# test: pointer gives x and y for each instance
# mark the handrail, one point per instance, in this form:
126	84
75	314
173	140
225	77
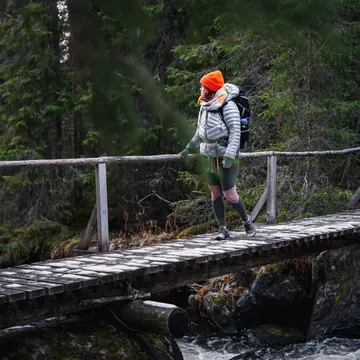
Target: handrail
301	153
99	216
161	158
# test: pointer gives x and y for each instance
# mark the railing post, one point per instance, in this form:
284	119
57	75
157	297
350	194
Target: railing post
271	193
102	208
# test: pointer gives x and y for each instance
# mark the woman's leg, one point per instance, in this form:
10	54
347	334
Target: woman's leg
228	184
217	198
218	204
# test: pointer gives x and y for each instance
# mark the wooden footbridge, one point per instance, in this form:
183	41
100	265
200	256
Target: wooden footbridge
40	290
50	288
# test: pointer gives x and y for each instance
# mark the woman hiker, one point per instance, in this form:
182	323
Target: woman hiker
219	141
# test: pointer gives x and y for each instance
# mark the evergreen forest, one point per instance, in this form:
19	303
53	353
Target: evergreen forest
89	78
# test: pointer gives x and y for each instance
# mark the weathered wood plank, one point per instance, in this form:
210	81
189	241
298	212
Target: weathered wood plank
59	277
90	277
77	252
77	268
50	288
102	208
271	190
259	205
66	303
32	292
354	200
105	268
12	295
89	231
164	158
73	283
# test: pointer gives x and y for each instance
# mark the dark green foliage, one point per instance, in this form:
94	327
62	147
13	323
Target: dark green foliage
29	105
30	244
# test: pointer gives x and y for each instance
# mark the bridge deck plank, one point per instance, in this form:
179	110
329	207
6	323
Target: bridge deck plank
12	295
49	288
69	283
54	277
31	291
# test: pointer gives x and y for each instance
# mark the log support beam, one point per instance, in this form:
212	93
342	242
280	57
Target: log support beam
154	317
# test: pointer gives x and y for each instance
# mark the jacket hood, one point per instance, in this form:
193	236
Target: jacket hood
232	90
226	93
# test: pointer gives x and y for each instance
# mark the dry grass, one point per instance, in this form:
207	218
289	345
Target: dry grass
149	233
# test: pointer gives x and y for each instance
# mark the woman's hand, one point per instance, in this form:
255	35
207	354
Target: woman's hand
227	163
184	153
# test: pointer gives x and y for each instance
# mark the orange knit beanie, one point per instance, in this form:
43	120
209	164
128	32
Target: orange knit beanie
213	81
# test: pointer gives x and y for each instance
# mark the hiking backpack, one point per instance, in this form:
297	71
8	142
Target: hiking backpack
243	105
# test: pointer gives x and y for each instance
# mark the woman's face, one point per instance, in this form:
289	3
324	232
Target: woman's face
206	93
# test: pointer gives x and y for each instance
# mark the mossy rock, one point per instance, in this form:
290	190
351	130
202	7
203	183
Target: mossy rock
32	243
336	287
84	340
202	228
193	212
276	335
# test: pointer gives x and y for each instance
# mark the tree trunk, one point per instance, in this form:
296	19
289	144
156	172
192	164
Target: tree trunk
80	52
80	33
5	4
56	150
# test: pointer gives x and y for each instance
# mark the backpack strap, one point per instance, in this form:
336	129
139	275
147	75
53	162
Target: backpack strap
221	112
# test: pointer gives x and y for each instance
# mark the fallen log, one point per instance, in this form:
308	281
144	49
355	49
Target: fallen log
26	312
153	316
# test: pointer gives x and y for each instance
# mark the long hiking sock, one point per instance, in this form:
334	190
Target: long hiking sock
239	207
219	210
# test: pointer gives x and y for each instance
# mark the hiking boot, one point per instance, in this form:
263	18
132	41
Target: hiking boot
223	233
249	227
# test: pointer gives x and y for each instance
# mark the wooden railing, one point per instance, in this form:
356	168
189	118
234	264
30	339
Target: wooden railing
99	216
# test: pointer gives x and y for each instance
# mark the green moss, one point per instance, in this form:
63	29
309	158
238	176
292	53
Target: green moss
343	290
102	340
198	229
30	244
261	219
302	204
63	248
277	267
223	299
278	332
158	340
237	290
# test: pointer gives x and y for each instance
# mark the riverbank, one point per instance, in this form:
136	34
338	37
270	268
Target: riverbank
254	312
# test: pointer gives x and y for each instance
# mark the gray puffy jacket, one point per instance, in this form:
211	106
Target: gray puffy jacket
211	128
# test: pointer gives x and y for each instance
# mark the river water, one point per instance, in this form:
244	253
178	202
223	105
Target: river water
225	348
